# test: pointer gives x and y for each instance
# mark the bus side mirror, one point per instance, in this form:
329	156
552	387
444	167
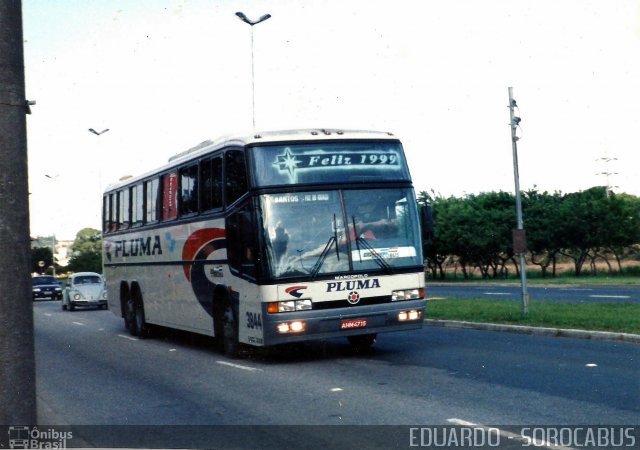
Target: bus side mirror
426	216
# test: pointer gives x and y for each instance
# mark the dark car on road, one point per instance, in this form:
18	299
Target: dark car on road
46	286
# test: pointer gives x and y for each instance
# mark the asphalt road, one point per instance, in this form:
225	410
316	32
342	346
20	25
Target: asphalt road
601	294
91	372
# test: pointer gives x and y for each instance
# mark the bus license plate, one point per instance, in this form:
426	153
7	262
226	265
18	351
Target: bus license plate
348	324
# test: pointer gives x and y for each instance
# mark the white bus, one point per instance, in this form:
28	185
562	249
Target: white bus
268	239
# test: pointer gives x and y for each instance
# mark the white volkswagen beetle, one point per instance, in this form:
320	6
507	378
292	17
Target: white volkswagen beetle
84	289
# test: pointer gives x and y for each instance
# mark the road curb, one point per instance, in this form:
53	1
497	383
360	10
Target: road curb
536	331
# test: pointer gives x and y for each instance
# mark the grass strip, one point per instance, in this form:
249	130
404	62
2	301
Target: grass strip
619	317
560	280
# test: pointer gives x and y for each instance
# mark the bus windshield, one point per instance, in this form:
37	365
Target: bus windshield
328	162
326	232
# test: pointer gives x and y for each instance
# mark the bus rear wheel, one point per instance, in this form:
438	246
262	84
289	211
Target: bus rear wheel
135	318
230	340
129	316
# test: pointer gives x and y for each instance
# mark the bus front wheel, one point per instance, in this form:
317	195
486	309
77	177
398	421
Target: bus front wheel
362	342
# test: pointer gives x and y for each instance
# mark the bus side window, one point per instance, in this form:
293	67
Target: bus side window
211	182
189	190
113	213
106	214
137	205
241	248
124	211
152	196
235	175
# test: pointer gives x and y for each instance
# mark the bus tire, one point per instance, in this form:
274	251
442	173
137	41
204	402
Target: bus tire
230	339
140	327
362	342
129	316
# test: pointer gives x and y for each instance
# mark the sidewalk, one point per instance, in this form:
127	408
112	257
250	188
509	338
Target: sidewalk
536	331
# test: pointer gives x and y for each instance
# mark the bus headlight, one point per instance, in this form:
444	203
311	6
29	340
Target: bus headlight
289	306
407	294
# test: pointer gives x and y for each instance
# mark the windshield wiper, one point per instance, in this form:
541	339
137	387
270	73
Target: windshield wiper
322	257
376	256
325	252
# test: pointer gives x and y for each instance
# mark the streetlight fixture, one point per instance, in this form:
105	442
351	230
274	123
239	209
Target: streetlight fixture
246	20
98	133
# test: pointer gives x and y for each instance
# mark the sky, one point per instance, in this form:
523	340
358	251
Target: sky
164	75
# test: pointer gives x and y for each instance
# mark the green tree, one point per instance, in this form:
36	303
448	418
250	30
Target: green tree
38	255
434	254
544	227
495	211
587	219
623	230
86	251
476	229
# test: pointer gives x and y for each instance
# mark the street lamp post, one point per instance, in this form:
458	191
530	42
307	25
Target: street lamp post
245	19
519	236
99	133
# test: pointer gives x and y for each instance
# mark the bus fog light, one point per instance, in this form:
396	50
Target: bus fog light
291	327
408	315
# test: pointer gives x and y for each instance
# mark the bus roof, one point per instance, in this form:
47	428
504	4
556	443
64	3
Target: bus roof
240	140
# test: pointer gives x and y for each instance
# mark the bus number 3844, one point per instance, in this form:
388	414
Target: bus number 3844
254	320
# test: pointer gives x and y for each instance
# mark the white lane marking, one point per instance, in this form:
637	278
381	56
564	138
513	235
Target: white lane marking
78	323
507	434
591	365
496	293
610	296
238	366
336	390
123	336
575	289
47	314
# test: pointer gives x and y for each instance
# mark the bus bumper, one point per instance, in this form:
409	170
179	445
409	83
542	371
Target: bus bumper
281	328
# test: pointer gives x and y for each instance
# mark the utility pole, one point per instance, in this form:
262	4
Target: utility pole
607	173
17	359
519	235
